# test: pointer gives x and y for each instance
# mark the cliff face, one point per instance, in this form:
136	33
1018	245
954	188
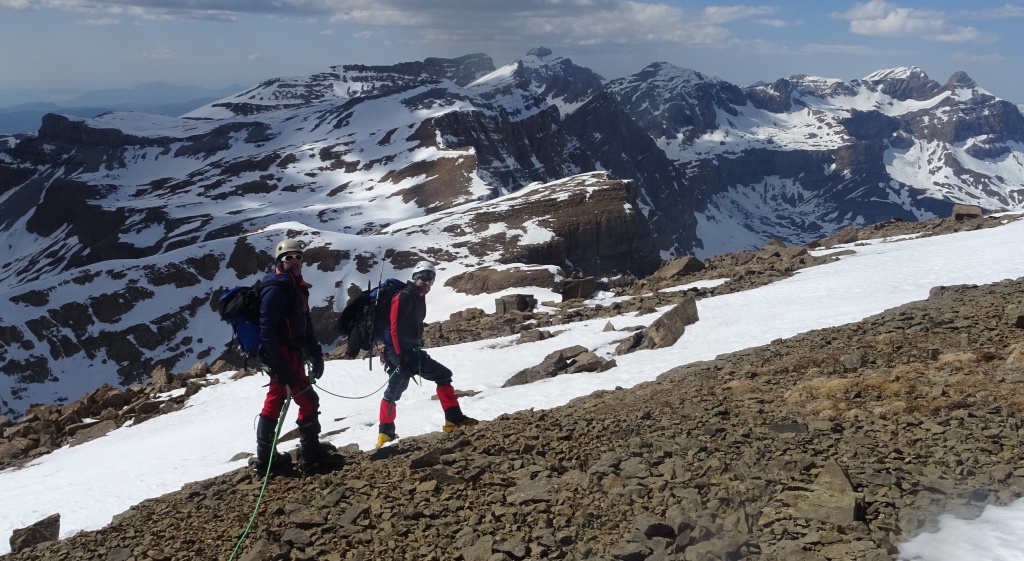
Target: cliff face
600	229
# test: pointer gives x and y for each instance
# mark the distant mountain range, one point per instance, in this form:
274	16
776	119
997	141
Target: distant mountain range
119	228
22	110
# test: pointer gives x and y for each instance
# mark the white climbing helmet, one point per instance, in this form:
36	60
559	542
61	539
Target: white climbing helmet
288	246
424	270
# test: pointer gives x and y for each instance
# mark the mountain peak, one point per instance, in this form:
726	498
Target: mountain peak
902	83
960	78
539	52
668	71
909	73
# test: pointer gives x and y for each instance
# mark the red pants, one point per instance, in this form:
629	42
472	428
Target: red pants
302	392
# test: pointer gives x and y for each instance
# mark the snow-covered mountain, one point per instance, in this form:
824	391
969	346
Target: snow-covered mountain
118	229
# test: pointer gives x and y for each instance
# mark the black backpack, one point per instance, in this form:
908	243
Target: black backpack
240	308
366	315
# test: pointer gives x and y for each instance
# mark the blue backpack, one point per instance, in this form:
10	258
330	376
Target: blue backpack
240	308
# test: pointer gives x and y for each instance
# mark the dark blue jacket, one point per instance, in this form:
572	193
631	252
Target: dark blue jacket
284	317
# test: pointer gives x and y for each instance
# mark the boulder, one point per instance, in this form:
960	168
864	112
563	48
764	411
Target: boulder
533	335
965	212
1015	313
680	267
844	236
830	499
579	288
93	432
667	329
514	303
487	279
46	530
554	364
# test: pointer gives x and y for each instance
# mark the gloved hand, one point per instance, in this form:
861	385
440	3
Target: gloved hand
316	366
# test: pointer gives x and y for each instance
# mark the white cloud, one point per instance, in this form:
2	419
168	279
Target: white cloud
1001	12
778	23
486	21
722	14
817	48
15	4
880	18
989	58
1009	11
159	53
99	21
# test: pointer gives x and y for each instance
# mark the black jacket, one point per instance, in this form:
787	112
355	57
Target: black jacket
284	317
405	325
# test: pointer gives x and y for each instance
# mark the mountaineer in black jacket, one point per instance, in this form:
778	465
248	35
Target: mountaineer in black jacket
404	358
287	343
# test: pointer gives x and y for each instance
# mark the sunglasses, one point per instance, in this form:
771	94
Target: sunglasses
425	277
292	257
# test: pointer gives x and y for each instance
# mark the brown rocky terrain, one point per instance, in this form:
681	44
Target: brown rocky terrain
835	444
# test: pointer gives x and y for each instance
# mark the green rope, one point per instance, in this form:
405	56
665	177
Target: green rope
273	448
266	478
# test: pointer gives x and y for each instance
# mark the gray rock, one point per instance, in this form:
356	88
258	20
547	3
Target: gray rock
965	212
93	432
295	536
537	490
579	288
652	526
668	328
119	554
45	530
514	303
680	267
479	551
630	551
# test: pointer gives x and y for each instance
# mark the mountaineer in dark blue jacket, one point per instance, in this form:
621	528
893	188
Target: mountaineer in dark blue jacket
403	357
287	342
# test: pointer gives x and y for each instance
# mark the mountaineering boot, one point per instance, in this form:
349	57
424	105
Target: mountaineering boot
314	457
465	422
455	419
386	434
266	456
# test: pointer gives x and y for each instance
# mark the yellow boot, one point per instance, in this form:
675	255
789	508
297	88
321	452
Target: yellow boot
465	422
383	439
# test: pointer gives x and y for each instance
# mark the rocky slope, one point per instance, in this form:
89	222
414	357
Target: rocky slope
835	444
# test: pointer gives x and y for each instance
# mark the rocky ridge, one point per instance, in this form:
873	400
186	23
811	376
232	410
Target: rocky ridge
835	444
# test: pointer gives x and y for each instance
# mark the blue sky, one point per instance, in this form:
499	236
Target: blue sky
215	43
